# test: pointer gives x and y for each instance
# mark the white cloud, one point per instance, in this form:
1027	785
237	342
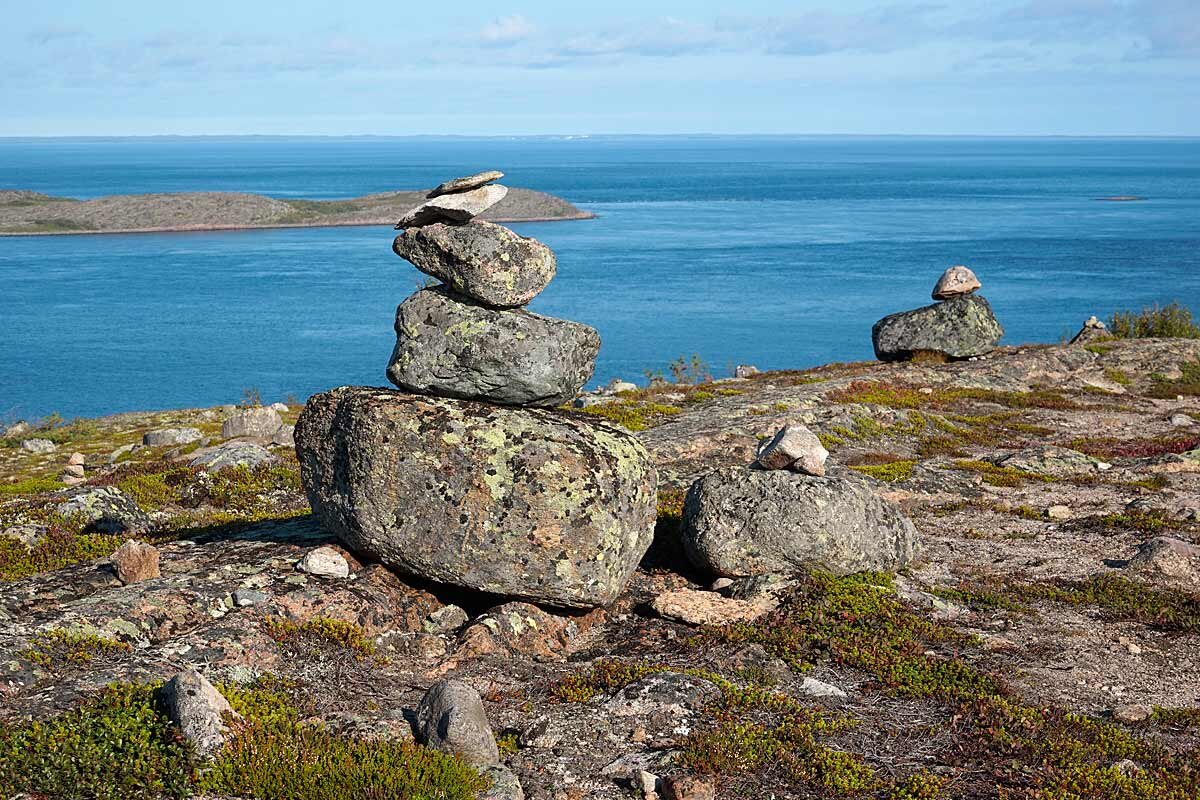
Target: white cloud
506	31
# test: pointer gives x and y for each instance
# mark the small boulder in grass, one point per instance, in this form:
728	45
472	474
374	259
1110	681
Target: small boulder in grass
199	710
450	718
135	561
795	448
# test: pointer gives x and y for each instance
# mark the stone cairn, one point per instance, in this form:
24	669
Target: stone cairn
960	325
469	476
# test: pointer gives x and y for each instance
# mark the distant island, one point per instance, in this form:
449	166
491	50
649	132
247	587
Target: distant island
27	213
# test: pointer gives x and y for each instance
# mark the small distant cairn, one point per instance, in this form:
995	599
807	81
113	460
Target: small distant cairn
960	325
468	476
1093	330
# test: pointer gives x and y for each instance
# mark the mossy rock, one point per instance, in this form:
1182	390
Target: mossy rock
527	503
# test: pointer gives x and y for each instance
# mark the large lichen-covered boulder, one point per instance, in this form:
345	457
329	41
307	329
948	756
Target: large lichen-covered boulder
739	522
484	261
961	327
449	346
525	503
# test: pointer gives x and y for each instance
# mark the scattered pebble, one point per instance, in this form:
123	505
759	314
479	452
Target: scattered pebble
326	562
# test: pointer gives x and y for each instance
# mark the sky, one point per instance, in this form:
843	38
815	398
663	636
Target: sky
555	67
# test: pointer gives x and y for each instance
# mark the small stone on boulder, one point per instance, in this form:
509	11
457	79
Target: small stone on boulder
450	718
960	327
739	522
481	260
198	709
135	561
796	448
466	184
171	437
454	209
955	282
259	422
448	346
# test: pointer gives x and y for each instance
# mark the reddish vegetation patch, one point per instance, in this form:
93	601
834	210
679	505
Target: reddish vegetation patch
1109	447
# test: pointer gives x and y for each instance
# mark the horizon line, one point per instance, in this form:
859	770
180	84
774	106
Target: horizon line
584	136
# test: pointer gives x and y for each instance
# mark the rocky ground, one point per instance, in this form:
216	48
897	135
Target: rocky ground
26	213
1044	644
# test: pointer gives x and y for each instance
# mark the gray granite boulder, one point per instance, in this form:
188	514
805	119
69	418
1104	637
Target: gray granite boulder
171	436
739	522
482	260
961	327
199	710
454	208
231	454
105	509
450	718
524	503
448	346
259	422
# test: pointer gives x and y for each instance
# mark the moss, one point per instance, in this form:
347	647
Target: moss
633	415
30	486
995	475
894	395
507	743
1150	523
322	632
117	745
893	472
1172	321
60	548
1176	717
307	762
1121	598
154	490
120	744
1118	377
1187	384
60	649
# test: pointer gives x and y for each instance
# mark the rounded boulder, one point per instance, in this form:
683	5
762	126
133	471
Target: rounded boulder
525	503
484	261
449	346
739	522
960	327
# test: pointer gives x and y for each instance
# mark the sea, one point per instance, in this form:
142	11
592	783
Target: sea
774	251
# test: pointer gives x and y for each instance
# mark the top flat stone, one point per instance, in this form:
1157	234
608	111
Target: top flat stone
955	282
454	209
466	184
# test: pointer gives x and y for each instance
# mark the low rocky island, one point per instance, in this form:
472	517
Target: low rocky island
31	213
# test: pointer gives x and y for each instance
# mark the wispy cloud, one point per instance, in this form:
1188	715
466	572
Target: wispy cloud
506	31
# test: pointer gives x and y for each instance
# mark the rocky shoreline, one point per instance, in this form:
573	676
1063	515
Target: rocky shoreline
25	213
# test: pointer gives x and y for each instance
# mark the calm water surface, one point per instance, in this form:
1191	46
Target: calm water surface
779	252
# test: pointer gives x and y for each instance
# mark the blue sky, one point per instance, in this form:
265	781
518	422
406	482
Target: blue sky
1027	67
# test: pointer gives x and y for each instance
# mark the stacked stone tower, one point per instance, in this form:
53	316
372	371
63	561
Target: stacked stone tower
469	476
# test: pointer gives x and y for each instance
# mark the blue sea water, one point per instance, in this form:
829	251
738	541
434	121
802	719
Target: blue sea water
775	251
